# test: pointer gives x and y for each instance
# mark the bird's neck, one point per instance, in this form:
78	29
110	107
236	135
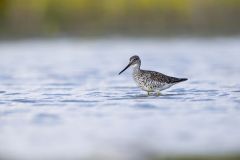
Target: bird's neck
136	68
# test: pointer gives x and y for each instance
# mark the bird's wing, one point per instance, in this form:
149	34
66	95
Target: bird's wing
159	77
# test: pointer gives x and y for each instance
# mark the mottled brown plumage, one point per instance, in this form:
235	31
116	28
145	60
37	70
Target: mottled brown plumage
156	76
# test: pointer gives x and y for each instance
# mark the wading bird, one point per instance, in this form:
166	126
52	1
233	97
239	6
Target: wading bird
150	81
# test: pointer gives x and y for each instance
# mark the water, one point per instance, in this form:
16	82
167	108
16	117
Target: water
63	99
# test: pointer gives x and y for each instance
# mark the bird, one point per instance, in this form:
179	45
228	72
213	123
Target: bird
150	81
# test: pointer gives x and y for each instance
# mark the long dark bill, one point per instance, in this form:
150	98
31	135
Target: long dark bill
125	68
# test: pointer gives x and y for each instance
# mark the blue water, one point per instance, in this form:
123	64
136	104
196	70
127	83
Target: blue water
63	98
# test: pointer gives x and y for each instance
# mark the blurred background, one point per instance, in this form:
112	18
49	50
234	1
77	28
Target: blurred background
49	18
61	96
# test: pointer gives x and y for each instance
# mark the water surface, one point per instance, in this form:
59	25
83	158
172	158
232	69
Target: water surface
64	99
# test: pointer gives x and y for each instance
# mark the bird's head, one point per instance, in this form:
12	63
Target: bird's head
133	61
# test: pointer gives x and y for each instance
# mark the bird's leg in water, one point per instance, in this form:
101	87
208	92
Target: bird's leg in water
148	93
158	93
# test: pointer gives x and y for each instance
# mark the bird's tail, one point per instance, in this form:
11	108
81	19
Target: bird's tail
181	79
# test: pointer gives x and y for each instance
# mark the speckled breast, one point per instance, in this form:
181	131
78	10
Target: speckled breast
147	84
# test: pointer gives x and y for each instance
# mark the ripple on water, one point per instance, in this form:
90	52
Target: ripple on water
94	93
223	94
46	119
13	94
202	90
46	89
56	94
14	111
129	97
54	104
145	106
62	84
24	101
202	100
178	90
1	92
152	96
76	100
236	91
215	109
237	100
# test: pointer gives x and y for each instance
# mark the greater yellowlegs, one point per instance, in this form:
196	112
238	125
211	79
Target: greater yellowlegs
150	81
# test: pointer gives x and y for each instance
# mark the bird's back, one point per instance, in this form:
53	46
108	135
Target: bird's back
162	78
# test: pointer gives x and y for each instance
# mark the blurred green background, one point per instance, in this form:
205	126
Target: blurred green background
50	18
